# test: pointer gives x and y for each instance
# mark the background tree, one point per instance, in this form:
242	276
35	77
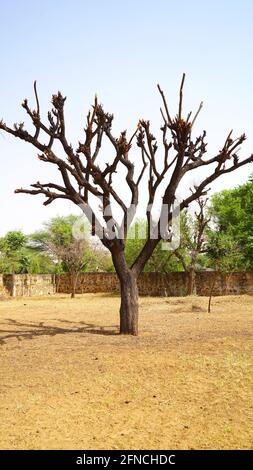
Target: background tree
192	244
73	259
99	258
13	258
225	257
66	252
18	256
232	212
84	175
161	261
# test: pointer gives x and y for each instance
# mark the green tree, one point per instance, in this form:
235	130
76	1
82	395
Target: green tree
161	260
67	253
13	259
232	212
18	256
58	242
225	257
193	231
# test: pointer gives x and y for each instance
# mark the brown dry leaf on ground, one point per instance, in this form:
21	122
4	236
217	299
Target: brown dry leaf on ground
68	380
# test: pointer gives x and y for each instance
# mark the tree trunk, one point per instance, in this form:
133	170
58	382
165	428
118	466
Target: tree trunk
57	281
191	287
73	277
13	287
129	305
211	293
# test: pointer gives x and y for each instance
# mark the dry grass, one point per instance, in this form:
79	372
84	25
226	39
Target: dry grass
68	380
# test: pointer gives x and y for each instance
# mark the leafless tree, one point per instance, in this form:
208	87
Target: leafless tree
83	176
193	243
72	256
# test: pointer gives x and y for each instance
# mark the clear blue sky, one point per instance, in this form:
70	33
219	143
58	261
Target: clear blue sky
120	50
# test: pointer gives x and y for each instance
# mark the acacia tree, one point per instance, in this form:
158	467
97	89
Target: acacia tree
58	242
84	176
72	257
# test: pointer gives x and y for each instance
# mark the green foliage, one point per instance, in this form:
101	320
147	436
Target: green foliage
12	248
187	244
98	259
232	211
193	229
57	231
224	253
57	241
160	261
42	251
229	244
14	241
39	263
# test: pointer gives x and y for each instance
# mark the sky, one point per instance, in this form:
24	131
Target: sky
120	50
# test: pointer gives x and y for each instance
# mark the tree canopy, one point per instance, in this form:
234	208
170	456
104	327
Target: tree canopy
232	210
161	167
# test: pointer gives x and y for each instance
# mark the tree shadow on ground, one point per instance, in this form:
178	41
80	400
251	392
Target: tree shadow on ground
30	330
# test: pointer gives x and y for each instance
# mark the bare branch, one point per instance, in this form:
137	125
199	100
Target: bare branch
165	105
82	175
181	97
196	115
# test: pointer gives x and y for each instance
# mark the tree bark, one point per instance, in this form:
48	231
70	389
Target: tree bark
129	307
211	293
191	287
73	276
57	282
13	287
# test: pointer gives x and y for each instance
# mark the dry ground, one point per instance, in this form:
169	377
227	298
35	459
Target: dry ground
68	380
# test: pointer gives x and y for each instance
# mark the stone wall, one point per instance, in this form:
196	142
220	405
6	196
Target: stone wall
3	291
170	284
153	284
230	284
20	285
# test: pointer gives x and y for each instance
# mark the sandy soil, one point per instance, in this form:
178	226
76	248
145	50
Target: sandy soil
68	380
